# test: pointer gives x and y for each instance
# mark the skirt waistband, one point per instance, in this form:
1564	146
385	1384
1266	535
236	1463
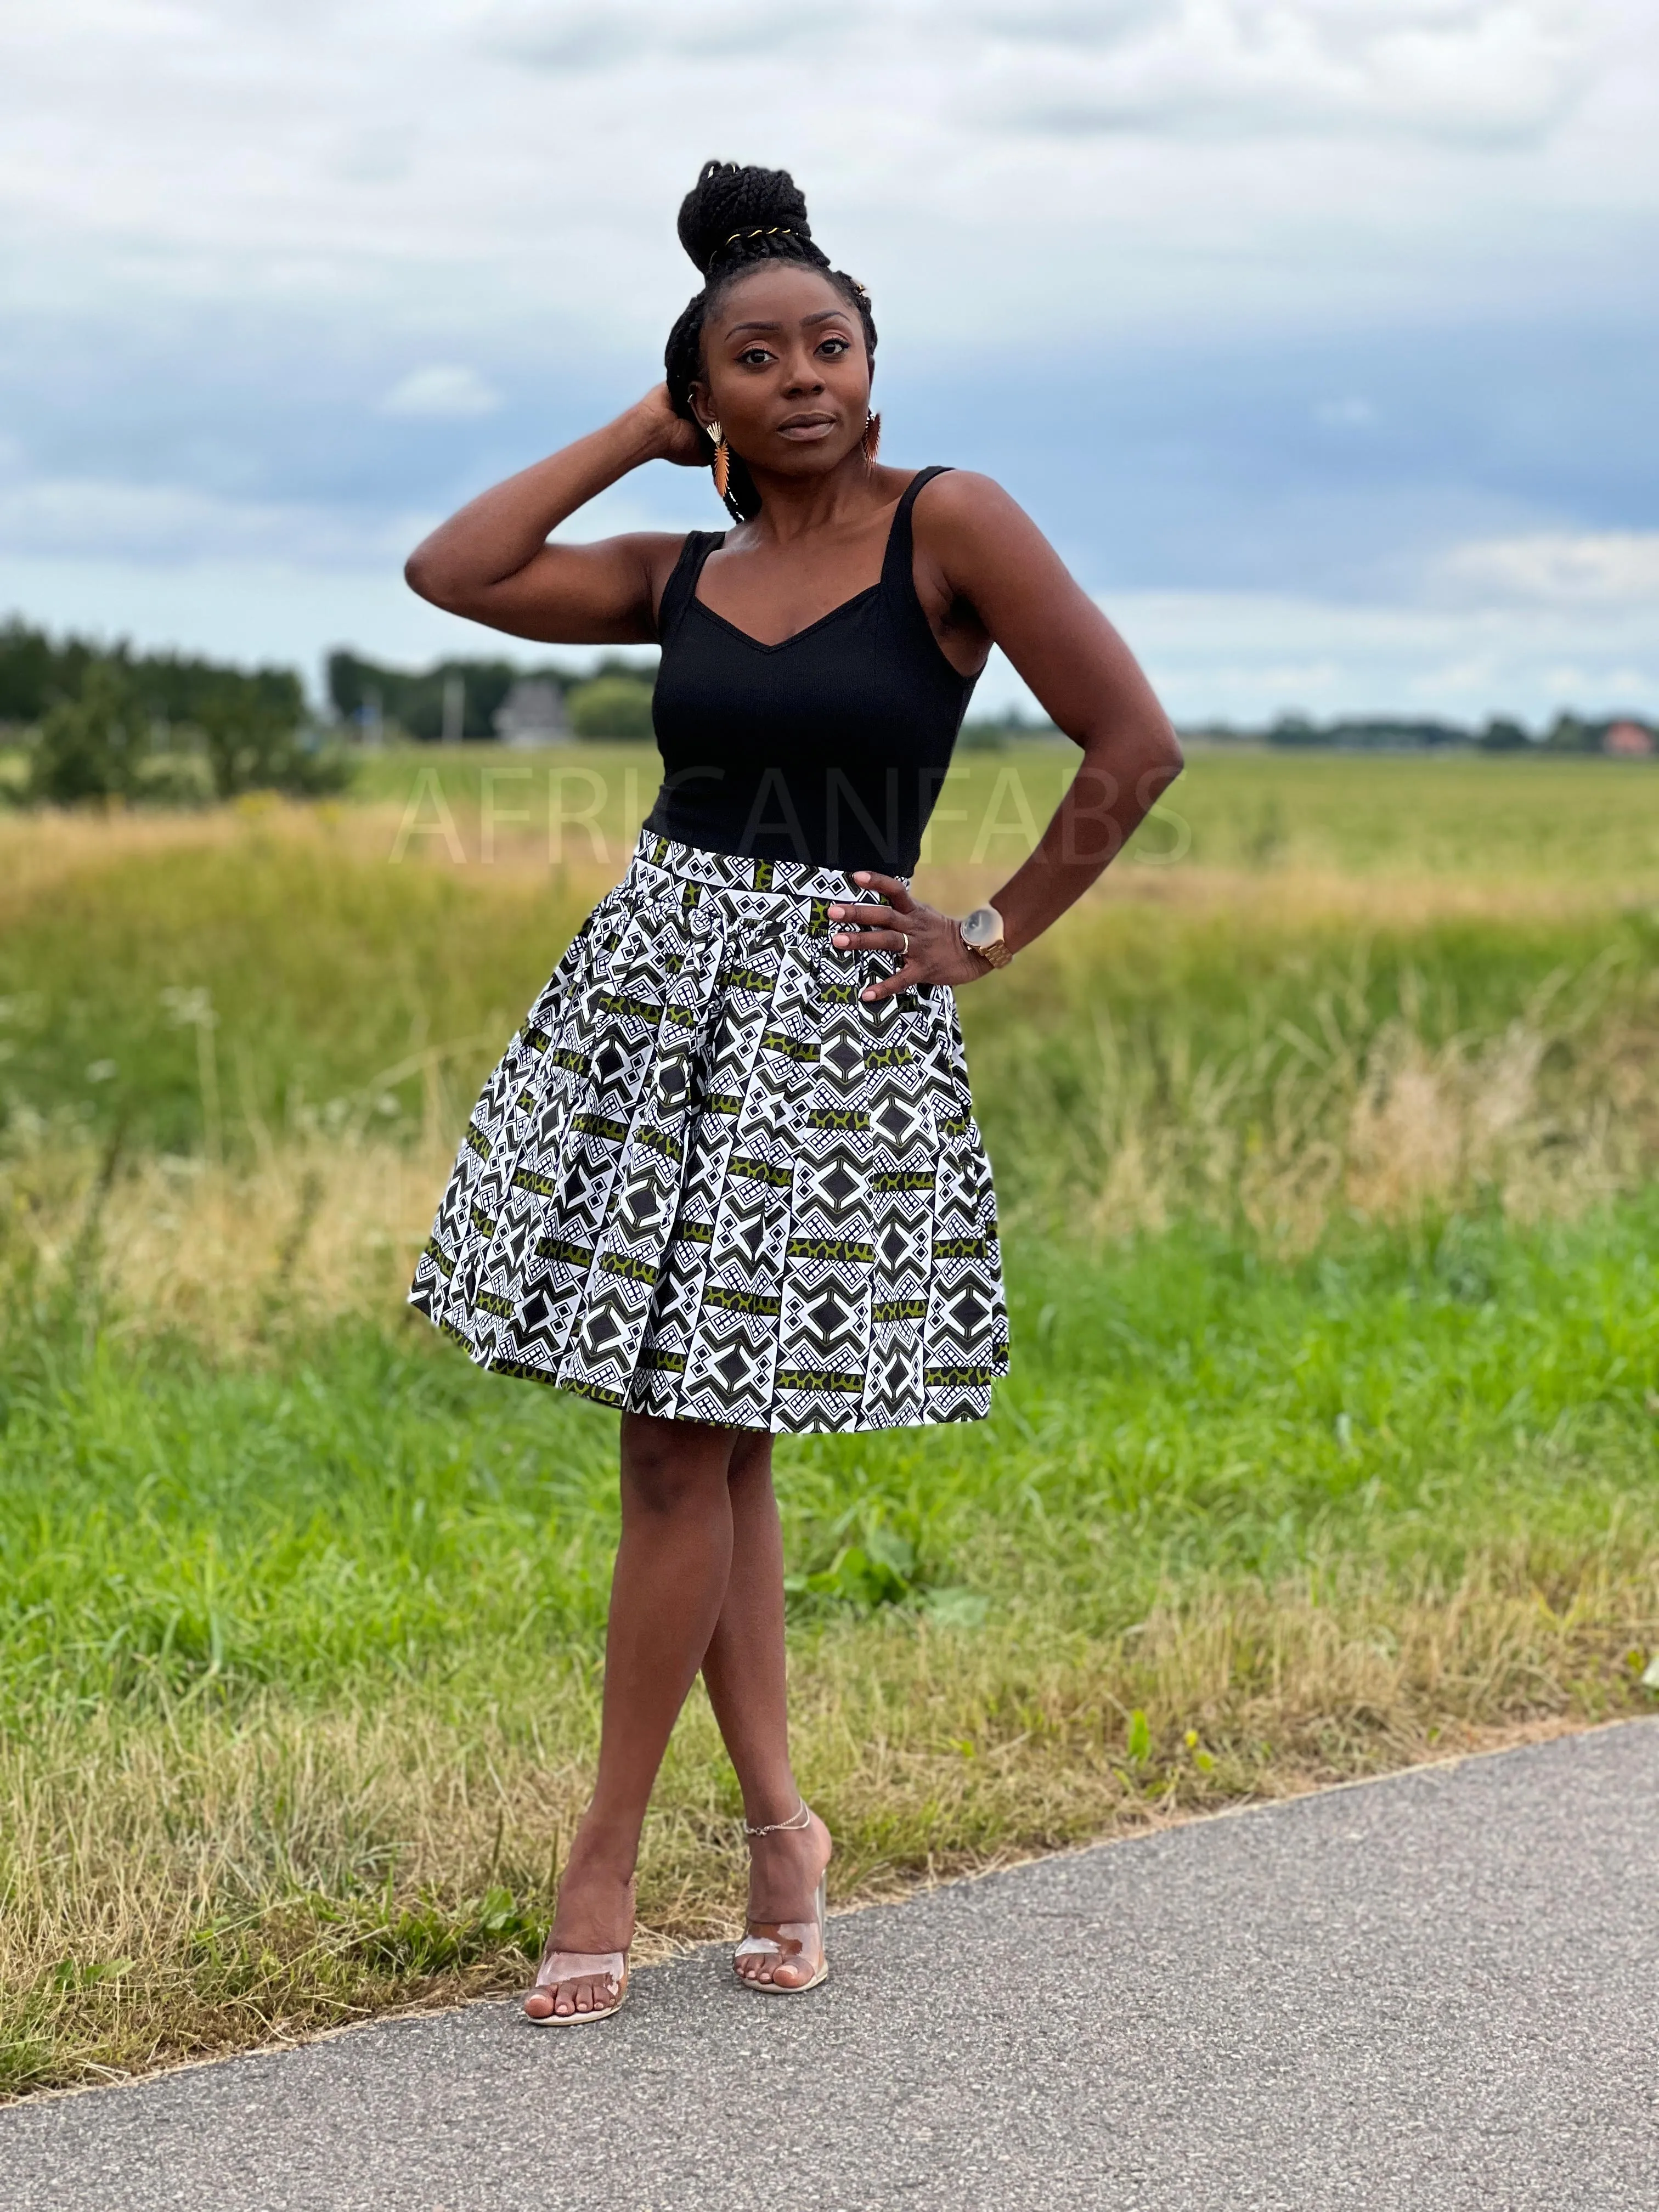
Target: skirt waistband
659	866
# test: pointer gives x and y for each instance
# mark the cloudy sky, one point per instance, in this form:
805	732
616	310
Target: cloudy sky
1319	334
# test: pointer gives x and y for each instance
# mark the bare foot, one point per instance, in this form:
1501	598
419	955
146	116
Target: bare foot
580	1969
784	1871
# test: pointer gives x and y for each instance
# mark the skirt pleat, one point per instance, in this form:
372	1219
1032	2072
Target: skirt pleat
707	1181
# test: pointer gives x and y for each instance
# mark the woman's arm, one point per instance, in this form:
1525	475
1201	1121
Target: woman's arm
492	563
979	553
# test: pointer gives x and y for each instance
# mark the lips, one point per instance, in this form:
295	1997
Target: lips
806	426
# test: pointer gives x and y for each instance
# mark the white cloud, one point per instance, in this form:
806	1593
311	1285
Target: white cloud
1085	23
96	517
442	393
251	611
1474	69
442	166
577	36
494	182
1241	656
1247	656
1612	568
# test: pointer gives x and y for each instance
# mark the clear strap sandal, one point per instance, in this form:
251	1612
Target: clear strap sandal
608	1968
785	1942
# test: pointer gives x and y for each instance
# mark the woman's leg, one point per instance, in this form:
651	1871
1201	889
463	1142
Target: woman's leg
673	1569
745	1673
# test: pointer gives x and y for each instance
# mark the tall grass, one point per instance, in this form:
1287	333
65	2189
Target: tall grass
274	977
1342	1081
1330	1218
299	1656
1458	818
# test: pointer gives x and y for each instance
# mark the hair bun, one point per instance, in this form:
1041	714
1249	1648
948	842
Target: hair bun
728	200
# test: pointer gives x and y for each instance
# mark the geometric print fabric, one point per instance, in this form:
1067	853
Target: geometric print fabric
707	1181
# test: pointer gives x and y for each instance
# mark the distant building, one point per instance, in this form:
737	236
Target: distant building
532	714
1628	740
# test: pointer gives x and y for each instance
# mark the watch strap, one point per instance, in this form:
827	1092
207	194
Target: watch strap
996	954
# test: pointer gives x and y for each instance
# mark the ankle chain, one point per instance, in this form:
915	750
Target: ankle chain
803	1819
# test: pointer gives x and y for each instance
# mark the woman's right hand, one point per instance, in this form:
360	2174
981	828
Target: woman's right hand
672	438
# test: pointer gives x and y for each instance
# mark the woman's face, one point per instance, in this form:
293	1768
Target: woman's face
787	375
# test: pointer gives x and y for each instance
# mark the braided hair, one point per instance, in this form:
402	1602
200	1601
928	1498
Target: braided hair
732	220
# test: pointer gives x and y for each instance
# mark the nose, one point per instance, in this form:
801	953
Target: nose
804	377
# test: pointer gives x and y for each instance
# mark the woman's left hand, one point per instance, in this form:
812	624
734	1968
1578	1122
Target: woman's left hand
928	942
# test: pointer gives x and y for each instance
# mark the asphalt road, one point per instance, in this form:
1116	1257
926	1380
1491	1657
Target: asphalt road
1438	1991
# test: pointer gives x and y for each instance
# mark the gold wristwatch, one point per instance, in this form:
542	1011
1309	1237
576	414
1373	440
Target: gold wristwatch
981	933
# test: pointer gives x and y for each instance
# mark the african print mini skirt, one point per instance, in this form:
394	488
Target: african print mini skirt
708	1182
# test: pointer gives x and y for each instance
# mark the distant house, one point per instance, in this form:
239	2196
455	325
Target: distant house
1627	740
532	714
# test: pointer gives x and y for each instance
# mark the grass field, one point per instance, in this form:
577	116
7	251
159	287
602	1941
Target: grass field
1325	1135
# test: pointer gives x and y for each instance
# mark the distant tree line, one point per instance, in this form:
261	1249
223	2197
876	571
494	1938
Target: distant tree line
103	722
106	722
462	698
1567	733
37	670
992	732
368	694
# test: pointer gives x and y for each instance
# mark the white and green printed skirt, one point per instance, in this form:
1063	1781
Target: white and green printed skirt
708	1182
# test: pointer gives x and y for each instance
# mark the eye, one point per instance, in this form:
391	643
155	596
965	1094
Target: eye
754	357
834	345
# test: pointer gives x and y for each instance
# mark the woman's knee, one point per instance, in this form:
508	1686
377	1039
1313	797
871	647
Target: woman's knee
669	1466
751	1465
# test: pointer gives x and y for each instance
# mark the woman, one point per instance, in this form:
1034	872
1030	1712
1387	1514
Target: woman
726	1179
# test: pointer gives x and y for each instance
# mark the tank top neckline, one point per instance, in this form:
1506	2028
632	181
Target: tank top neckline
717	538
794	636
828	747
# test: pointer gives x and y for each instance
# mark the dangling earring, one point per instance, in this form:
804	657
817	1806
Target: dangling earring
722	459
870	441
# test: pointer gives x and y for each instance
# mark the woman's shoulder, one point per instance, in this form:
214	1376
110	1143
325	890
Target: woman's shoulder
673	573
665	548
973	542
656	554
958	505
949	491
661	553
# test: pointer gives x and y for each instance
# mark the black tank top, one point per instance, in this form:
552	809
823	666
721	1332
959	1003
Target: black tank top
829	747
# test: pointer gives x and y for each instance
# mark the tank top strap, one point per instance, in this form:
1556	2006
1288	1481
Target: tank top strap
680	590
897	572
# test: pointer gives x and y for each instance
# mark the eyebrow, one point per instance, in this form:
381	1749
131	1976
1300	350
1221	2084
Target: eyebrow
823	315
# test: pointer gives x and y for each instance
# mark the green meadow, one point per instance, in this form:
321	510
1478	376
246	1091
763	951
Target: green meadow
1327	1140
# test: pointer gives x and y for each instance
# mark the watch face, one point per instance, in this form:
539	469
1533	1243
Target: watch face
983	926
